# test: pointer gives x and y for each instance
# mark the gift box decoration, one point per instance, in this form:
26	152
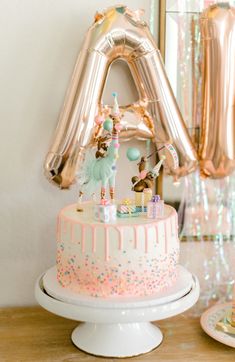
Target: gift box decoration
127	209
155	207
142	199
105	212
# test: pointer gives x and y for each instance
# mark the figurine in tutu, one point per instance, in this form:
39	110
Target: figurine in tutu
100	167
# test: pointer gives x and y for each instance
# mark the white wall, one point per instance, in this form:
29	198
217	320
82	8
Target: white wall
39	43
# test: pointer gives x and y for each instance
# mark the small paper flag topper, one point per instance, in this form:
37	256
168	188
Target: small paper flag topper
173	153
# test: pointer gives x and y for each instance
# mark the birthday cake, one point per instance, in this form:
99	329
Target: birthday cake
109	248
125	257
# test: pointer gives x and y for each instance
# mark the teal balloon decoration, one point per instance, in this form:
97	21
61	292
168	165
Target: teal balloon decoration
132	154
108	124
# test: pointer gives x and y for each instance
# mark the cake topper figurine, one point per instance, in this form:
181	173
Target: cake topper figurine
100	168
146	178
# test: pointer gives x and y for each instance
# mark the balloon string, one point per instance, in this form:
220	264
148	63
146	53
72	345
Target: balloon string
148	150
159	149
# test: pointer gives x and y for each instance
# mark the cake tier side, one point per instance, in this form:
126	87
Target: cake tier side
134	257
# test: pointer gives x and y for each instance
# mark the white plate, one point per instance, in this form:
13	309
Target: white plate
181	287
211	317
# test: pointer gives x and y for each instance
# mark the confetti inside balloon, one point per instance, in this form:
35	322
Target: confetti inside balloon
133	154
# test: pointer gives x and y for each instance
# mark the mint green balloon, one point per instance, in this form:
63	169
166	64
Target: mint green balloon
132	154
108	124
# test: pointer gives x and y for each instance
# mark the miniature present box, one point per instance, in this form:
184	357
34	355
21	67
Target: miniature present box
142	199
105	212
127	209
155	207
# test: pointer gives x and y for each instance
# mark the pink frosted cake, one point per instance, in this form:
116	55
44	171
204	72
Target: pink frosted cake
126	257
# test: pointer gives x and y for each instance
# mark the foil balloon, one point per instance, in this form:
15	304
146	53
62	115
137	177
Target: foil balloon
217	151
117	33
136	122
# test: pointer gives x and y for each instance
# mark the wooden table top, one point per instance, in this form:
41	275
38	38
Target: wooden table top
33	334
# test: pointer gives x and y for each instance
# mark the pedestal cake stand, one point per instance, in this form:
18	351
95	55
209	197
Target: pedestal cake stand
117	327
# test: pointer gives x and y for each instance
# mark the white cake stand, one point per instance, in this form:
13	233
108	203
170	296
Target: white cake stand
117	327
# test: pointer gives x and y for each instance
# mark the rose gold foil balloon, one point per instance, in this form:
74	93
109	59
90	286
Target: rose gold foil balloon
217	151
118	33
136	122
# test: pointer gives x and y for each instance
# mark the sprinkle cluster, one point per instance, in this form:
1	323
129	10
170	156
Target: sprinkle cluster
117	277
